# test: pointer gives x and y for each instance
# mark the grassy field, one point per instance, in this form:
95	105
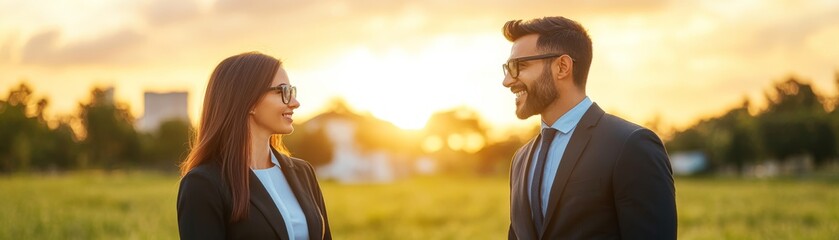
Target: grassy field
141	205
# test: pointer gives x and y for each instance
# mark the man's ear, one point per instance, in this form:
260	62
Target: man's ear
562	67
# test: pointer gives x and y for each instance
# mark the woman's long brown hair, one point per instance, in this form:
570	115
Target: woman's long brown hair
223	136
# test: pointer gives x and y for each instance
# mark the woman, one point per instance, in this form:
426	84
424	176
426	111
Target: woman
238	181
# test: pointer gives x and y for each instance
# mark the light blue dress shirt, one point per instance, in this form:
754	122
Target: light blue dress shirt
277	186
565	126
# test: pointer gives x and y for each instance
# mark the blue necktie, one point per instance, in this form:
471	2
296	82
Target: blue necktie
536	186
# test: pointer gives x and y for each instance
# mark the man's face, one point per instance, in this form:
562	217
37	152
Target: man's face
533	87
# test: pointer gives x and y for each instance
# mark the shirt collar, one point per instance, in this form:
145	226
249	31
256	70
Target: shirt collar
569	120
274	160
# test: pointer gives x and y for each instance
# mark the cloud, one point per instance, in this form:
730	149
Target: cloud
642	46
6	46
791	33
260	7
611	6
164	12
45	49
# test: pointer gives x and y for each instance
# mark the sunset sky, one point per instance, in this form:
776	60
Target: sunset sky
404	60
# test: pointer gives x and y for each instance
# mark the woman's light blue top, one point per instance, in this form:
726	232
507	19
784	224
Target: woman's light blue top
275	182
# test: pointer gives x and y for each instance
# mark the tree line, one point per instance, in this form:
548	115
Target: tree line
797	122
99	135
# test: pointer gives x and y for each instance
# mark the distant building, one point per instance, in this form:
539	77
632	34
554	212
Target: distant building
350	164
109	95
687	163
160	107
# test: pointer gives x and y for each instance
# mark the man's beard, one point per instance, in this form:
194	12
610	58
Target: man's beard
539	96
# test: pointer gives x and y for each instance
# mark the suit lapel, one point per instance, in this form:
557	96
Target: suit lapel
263	202
576	146
524	227
296	179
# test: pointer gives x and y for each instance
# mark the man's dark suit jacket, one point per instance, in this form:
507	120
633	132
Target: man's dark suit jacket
205	205
614	182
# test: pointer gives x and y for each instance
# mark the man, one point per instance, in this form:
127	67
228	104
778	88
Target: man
588	174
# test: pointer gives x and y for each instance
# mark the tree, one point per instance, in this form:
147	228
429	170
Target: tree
168	146
728	140
744	146
15	140
796	122
65	147
311	144
26	140
461	134
109	136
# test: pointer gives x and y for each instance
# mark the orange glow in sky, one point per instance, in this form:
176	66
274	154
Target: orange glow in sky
404	60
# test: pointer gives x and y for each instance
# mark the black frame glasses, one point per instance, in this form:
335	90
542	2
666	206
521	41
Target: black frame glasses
512	66
288	92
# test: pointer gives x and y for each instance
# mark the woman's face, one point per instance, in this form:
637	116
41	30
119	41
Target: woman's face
271	115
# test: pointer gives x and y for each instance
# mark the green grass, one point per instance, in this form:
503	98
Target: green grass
141	205
429	208
758	209
88	206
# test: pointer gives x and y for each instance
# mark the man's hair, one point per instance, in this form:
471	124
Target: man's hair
557	35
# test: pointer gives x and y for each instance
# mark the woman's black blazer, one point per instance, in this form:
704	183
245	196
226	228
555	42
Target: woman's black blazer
205	204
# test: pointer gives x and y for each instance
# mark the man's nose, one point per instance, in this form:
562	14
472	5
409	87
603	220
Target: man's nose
508	81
